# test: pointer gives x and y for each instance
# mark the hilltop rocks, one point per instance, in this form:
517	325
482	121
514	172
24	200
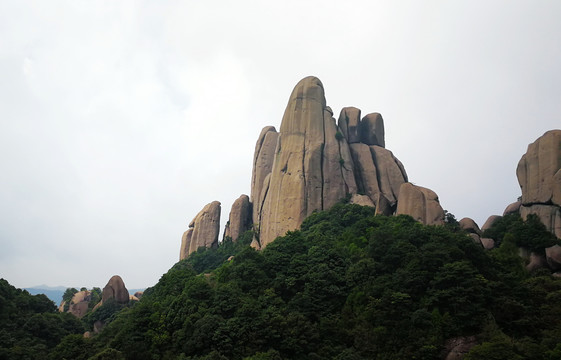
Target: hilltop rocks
490	221
80	303
539	176
312	168
203	230
470	226
348	122
538	170
372	130
240	218
309	165
549	215
512	208
115	289
420	203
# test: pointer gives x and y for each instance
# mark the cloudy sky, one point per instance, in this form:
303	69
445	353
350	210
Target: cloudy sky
120	120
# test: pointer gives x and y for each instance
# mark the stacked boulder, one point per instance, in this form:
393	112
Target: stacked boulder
309	165
539	175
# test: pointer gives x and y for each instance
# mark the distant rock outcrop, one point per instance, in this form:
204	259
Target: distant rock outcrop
79	304
539	175
203	230
115	289
420	203
240	218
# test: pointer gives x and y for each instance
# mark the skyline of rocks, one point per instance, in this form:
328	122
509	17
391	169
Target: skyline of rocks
310	164
313	162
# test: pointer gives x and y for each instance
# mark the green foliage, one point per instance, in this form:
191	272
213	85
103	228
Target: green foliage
530	234
339	136
30	326
68	294
347	285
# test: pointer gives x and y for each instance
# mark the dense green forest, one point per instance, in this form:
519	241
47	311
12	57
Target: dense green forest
347	285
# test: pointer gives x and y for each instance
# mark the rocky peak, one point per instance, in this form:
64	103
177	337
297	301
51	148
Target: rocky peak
312	168
115	289
240	218
539	176
203	230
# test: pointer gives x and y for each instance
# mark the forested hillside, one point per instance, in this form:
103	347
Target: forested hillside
347	285
30	325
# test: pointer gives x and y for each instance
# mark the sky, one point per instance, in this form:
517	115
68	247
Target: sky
120	120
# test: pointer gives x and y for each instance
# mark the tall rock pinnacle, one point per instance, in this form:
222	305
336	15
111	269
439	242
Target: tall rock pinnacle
539	175
312	167
203	230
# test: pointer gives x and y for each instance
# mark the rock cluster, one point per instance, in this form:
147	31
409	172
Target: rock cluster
203	230
310	164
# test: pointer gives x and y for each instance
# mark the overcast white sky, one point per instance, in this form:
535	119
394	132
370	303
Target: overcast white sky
120	120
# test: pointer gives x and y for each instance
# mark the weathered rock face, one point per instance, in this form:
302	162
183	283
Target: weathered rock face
553	257
312	168
512	208
549	215
539	175
537	170
240	218
378	172
490	221
115	289
470	226
349	120
80	303
488	243
262	165
420	203
203	230
372	130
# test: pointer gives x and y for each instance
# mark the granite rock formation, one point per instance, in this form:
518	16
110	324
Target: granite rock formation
470	226
203	230
79	304
539	176
262	166
115	289
312	168
420	203
240	218
310	164
490	221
